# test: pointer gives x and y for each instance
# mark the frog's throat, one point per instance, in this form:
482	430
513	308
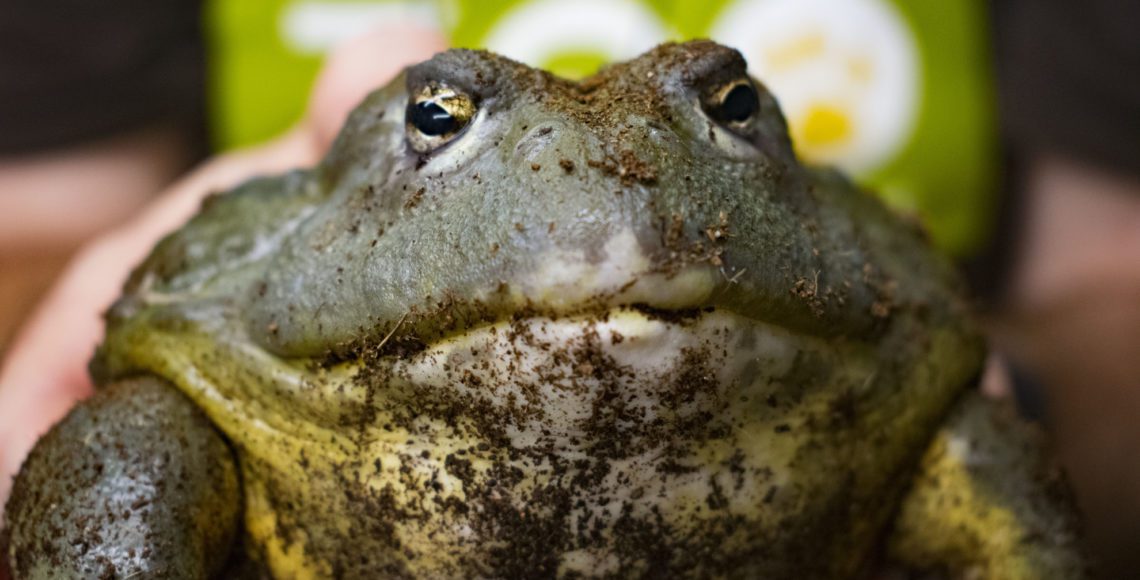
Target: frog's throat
519	377
627	373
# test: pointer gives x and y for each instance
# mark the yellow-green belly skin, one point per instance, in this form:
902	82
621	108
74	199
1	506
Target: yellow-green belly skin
617	444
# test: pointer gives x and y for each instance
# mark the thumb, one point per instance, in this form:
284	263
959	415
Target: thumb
361	65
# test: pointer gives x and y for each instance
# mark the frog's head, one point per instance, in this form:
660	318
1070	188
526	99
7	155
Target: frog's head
474	189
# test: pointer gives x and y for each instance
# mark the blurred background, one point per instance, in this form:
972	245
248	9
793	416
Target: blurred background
1011	129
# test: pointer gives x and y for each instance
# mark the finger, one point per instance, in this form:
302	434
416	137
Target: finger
362	65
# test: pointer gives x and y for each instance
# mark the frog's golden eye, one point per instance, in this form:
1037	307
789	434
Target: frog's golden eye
435	115
733	103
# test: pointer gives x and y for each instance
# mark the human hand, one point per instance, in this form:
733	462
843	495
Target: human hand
44	373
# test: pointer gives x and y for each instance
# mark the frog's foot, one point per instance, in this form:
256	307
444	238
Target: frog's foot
134	483
987	504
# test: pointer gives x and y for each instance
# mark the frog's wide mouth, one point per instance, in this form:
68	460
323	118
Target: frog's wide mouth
557	284
566	290
406	306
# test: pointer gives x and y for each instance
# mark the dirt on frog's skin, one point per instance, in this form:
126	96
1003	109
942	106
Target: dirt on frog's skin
627	166
682	251
415	199
530	504
615	85
582	358
5	571
633	169
885	288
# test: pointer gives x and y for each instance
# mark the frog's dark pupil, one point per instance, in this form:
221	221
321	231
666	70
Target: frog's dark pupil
432	120
739	104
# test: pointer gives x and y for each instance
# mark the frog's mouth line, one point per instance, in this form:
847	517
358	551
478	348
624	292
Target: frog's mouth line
564	287
402	342
374	316
560	285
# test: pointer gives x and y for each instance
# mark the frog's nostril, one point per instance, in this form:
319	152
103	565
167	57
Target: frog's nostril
535	140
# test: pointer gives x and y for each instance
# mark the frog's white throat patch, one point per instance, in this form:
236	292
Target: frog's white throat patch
635	375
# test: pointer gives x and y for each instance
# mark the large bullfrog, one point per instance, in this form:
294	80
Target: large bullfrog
518	326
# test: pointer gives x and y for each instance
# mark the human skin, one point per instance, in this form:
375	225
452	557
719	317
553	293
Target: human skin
1071	319
45	371
100	183
56	199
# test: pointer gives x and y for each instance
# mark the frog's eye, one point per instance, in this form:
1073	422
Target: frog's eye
435	115
733	104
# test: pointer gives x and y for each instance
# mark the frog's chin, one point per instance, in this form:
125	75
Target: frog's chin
634	373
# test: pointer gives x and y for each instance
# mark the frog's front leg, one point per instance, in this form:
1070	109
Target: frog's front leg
987	503
134	483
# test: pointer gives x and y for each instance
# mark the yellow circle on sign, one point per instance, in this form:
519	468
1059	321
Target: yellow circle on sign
822	125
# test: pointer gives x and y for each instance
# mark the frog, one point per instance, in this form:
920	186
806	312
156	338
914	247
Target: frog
519	326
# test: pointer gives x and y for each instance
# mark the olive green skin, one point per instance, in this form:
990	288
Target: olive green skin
283	308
